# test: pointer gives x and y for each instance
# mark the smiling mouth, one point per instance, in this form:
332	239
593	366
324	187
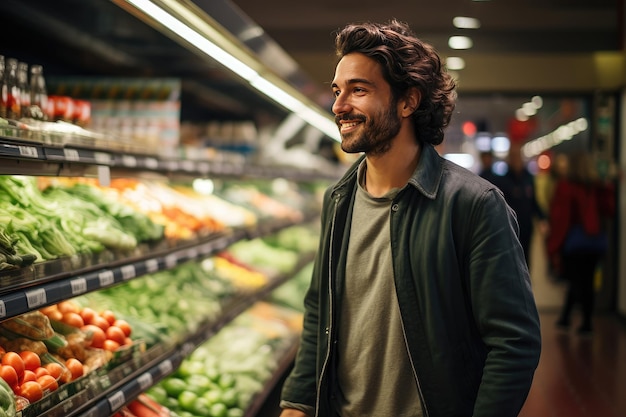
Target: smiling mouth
348	125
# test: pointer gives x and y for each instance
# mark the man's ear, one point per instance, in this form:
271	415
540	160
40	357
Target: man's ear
411	101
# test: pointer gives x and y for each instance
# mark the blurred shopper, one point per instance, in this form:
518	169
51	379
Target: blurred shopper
420	301
486	164
518	186
577	241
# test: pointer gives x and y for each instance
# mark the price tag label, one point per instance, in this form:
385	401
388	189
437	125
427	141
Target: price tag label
36	298
71	154
106	278
188	165
105	382
172	165
151	163
104	175
129	161
69	405
128	272
192	253
205	249
79	285
171	260
3	309
117	400
166	367
187	348
145	381
28	151
203	167
152	265
102	158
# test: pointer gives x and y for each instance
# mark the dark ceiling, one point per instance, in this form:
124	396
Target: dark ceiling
526	39
509	29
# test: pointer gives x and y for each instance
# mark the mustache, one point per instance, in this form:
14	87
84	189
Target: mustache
358	117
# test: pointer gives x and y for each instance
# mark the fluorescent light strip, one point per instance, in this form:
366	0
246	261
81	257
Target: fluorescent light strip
280	96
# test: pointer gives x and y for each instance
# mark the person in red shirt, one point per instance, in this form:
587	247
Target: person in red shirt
580	201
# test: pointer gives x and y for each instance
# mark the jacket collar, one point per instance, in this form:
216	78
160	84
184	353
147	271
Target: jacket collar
426	178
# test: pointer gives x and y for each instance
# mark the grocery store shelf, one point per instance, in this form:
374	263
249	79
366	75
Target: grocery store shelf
109	390
47	283
69	157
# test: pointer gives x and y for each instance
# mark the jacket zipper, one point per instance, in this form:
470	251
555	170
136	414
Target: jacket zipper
408	351
419	386
330	293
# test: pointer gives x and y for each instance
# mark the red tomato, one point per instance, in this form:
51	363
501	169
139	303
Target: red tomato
31	360
101	322
108	315
31	390
123	324
16	361
73	319
48	383
116	334
68	306
28	376
88	314
75	367
110	345
94	335
41	371
9	375
55	369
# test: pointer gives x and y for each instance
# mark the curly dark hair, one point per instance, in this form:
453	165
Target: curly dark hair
406	62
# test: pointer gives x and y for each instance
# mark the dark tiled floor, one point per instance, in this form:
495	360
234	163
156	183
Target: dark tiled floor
580	376
577	376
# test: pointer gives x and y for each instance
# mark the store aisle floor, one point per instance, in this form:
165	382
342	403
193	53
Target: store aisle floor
580	376
577	376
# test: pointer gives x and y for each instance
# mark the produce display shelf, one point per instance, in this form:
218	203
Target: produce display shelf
48	283
39	158
286	360
108	392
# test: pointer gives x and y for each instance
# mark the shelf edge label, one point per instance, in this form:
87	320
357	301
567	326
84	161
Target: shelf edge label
36	297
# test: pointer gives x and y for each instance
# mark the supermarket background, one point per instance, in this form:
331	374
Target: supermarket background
157	230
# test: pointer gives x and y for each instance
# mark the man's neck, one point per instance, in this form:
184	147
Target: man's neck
393	169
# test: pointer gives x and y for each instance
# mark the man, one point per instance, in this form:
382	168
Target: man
518	187
420	300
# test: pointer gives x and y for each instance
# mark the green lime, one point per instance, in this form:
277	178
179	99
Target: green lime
187	399
213	396
174	386
219	410
189	367
235	412
202	407
230	397
226	381
199	383
157	393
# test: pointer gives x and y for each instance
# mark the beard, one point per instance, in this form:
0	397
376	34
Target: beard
375	134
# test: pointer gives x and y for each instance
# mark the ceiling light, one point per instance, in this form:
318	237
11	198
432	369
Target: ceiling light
455	63
463	22
460	42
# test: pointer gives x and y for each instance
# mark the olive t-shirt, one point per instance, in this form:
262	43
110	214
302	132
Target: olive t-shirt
374	371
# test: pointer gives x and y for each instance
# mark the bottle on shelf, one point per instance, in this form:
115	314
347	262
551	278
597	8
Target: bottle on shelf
22	83
38	93
12	89
3	90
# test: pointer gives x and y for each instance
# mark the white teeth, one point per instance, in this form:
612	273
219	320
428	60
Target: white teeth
347	125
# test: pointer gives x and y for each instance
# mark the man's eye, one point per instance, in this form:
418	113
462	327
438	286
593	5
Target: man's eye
336	93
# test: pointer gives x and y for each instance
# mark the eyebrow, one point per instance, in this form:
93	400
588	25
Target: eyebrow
356	81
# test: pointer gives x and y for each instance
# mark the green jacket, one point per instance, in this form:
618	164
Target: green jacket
468	312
